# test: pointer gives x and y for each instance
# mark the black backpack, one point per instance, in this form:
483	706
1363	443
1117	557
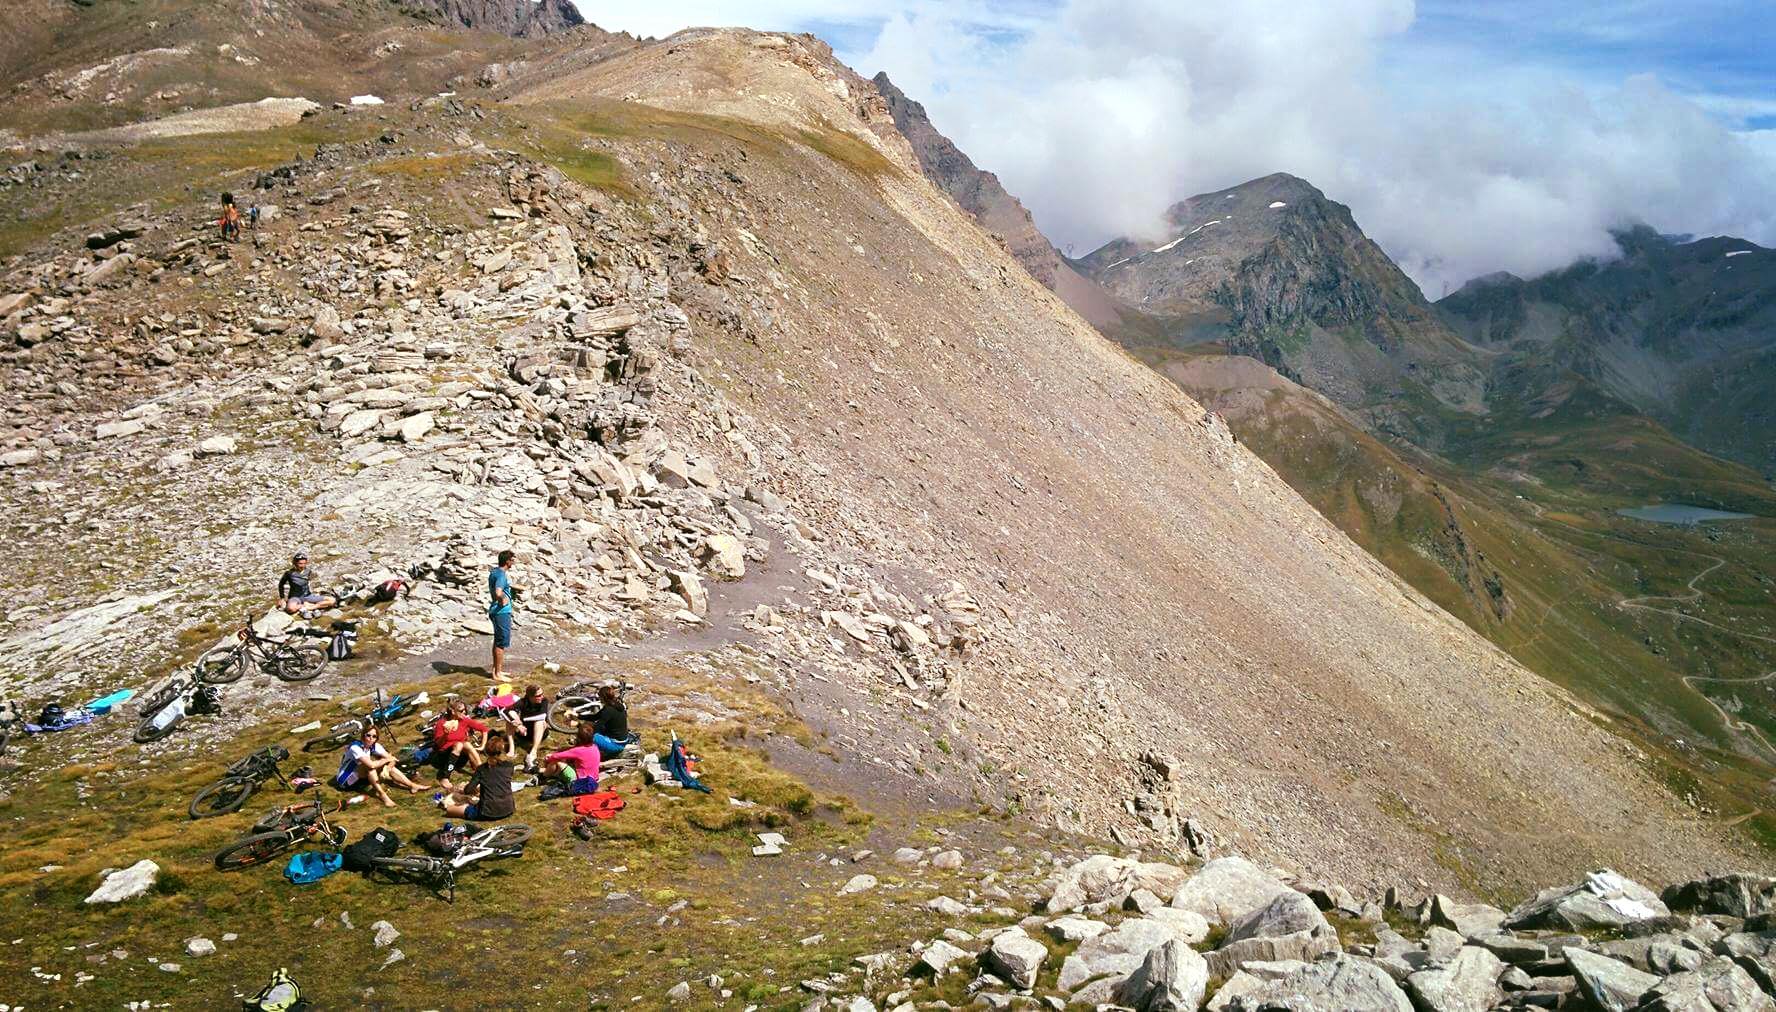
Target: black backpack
52	715
342	644
445	841
379	842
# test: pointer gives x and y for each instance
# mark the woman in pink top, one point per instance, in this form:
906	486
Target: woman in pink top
582	760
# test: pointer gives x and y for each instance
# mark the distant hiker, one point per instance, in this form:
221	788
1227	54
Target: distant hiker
295	592
488	794
366	765
527	721
499	609
610	726
231	219
451	746
253	217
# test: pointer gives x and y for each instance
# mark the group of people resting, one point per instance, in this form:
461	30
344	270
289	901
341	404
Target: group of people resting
491	754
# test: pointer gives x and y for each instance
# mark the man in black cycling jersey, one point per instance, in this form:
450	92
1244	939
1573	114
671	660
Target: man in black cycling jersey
294	591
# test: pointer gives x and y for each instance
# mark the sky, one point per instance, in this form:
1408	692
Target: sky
1467	136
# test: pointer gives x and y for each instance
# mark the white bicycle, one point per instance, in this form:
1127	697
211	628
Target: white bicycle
439	873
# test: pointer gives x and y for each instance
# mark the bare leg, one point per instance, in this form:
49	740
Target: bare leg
499	663
396	776
376	782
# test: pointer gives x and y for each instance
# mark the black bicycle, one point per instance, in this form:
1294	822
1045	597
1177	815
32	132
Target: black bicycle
578	702
290	660
280	830
439	873
240	781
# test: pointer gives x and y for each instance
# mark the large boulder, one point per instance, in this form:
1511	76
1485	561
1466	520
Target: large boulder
1015	958
1228	888
1290	926
1467	983
1610	984
1116	953
1755	952
1736	895
1172	978
1103	879
1718	985
1341	982
1604	900
1465	919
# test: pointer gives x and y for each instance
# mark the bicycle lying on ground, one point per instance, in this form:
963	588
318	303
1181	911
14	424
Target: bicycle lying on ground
176	697
301	661
578	702
381	715
439	873
280	830
240	781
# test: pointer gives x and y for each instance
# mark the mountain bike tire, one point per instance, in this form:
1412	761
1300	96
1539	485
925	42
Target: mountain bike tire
223	797
254	850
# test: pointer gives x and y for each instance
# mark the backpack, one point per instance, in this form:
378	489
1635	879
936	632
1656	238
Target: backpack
379	842
388	590
444	841
281	995
52	715
342	644
311	866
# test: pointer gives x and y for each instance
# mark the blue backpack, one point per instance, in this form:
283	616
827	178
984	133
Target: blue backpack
311	866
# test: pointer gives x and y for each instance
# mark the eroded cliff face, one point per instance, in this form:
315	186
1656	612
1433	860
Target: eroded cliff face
517	18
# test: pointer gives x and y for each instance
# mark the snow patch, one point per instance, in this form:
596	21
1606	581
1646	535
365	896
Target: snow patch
1118	263
1278	203
1169	245
366	100
1739	252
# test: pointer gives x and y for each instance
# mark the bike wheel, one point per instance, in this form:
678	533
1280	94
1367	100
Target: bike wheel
506	837
220	666
222	797
251	851
405	865
338	739
161	695
298	663
566	712
147	733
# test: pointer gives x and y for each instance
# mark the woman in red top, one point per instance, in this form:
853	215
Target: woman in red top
452	748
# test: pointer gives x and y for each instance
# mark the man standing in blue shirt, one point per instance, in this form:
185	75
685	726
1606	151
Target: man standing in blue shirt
499	610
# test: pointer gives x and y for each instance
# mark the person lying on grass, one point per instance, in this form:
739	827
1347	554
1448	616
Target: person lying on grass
574	770
452	747
366	765
488	794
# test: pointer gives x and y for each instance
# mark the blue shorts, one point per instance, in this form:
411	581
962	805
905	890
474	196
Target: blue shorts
308	599
502	630
583	785
473	814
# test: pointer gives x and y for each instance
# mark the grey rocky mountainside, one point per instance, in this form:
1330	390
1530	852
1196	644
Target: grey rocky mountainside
517	18
1685	331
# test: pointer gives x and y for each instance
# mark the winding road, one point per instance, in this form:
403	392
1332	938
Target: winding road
1693	593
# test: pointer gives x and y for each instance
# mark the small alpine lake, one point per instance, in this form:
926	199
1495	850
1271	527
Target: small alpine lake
1680	513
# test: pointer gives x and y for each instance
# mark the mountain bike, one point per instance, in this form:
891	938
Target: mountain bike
280	830
291	662
175	698
240	781
578	702
381	715
439	873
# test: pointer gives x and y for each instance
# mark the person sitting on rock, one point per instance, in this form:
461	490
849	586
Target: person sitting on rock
610	726
452	747
527	722
295	593
488	794
572	771
366	765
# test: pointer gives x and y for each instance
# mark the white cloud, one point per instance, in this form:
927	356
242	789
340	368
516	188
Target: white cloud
1100	113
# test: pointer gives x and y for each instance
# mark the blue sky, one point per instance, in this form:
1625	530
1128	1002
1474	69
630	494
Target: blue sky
1466	136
